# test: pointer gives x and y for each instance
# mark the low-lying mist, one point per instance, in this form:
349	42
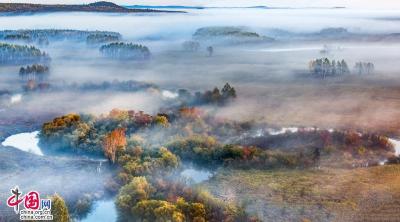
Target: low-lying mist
272	76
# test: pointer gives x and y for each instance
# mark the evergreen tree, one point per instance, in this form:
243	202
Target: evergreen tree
228	91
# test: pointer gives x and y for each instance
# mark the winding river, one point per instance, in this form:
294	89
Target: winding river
27	142
104	210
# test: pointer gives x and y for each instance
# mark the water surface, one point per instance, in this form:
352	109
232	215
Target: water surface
27	142
104	210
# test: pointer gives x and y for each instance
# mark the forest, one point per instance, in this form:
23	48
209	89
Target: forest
102	38
229	35
145	168
120	50
21	54
44	36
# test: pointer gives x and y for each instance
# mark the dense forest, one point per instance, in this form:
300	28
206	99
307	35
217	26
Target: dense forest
229	35
18	37
21	54
102	38
44	36
223	32
120	50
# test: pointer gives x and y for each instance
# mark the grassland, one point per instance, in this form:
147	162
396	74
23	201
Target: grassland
363	194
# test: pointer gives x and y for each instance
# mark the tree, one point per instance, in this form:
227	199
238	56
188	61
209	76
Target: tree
118	114
191	46
228	91
116	140
18	54
184	94
216	95
132	193
345	67
99	38
34	72
120	50
158	210
161	121
168	160
323	68
210	50
364	68
59	209
198	212
178	217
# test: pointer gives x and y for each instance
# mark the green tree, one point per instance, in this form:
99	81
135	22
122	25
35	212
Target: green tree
216	95
157	210
138	189
228	91
161	121
59	209
197	211
168	160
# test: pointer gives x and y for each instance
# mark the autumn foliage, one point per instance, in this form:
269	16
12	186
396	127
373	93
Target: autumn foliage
114	141
60	123
190	112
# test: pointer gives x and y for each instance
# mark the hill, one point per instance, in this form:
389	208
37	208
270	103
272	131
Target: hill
102	6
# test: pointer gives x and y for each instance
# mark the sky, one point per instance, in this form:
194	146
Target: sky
359	4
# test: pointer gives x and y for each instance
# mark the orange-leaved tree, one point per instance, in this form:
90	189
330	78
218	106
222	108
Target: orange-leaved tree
114	141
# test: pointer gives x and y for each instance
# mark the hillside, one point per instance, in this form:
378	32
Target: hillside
103	6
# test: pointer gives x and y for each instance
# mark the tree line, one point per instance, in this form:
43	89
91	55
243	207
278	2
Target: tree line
120	50
215	96
34	72
101	38
323	68
21	54
43	36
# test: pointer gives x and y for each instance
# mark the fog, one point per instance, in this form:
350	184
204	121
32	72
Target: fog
250	68
271	78
175	26
50	175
